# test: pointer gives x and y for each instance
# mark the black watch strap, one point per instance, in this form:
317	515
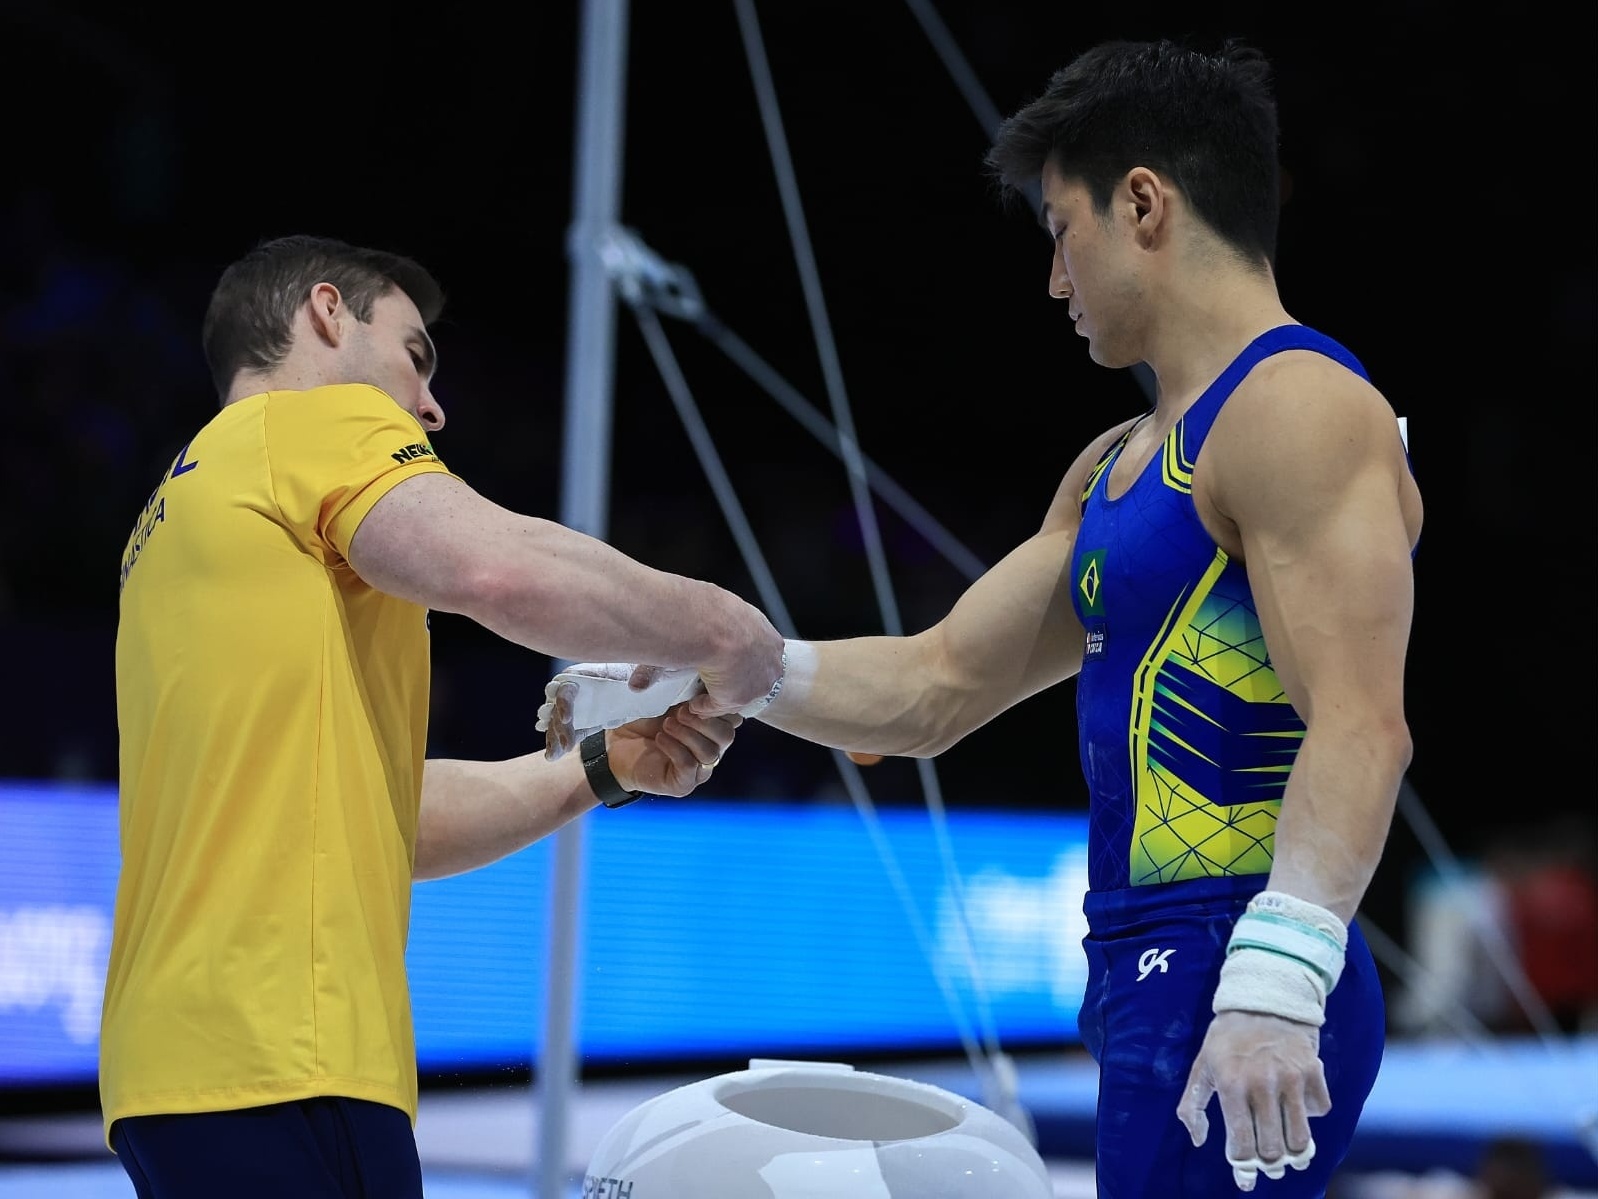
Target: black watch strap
596	765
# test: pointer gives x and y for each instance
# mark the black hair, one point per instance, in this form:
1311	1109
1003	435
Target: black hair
1206	121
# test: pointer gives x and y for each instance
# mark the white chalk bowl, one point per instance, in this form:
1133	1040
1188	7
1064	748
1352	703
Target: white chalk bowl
813	1130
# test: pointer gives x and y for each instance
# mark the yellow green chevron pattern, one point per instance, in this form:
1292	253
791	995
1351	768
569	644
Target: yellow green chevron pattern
1205	689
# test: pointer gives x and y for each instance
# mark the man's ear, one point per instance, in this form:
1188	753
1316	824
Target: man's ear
327	312
1150	200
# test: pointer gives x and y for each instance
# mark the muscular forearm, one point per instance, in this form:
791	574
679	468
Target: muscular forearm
1336	813
434	541
474	813
882	695
1010	635
575	597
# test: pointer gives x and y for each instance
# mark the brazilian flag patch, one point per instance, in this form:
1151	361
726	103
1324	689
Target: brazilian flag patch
1090	582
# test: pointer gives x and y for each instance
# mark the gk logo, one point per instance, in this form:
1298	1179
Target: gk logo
1152	958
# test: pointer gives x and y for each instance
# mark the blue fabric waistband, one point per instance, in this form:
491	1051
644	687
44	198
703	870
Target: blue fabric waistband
1110	910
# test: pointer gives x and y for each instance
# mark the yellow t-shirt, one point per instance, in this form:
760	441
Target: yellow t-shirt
272	711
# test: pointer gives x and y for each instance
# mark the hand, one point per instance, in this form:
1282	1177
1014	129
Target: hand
1267	1072
672	754
746	682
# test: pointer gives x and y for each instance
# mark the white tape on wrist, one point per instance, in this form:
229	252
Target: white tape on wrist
1284	957
798	672
1256	980
1284	924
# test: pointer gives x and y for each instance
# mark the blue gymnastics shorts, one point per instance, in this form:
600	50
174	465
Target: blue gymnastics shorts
1154	954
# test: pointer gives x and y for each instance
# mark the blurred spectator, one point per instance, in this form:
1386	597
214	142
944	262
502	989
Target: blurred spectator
1513	1168
1550	902
1533	898
1510	1167
1453	922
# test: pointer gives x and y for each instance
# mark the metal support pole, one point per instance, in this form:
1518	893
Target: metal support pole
585	490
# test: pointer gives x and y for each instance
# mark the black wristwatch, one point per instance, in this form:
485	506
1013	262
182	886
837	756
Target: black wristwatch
596	765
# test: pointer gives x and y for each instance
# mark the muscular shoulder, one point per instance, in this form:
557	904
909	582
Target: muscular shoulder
1300	425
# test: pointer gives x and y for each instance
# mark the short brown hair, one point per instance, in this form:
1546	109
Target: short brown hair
250	318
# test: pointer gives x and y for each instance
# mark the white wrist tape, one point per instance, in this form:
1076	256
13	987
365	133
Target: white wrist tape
1255	980
1284	957
798	672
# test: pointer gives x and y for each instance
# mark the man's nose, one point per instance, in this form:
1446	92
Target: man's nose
1059	285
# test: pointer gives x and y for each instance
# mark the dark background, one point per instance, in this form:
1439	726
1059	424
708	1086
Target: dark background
1437	220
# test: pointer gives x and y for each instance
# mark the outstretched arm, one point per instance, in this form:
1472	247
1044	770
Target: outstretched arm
437	542
474	813
1012	634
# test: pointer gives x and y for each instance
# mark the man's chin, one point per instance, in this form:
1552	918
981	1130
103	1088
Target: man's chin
1103	359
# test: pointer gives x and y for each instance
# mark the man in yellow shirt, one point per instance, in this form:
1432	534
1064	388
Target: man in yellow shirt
272	680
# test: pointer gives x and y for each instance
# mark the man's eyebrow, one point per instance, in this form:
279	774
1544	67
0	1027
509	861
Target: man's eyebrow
1043	217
